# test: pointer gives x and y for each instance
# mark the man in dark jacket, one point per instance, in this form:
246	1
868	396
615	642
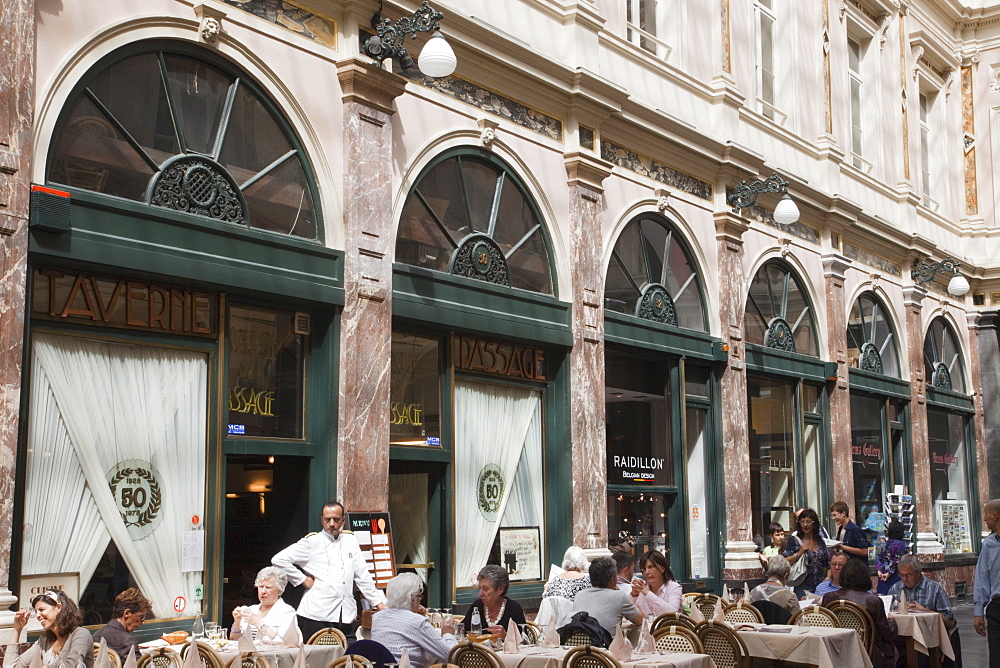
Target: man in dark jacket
130	611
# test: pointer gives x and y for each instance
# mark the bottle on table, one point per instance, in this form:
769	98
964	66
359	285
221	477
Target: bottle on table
198	628
477	623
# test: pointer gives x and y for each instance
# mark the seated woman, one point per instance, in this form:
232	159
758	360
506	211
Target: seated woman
855	583
659	592
63	643
131	609
270	619
773	589
403	626
574	577
495	609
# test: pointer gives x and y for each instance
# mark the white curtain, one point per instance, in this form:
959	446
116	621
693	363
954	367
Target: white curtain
95	404
524	509
408	505
491	426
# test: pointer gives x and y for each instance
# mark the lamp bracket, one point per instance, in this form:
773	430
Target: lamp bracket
745	194
388	42
924	272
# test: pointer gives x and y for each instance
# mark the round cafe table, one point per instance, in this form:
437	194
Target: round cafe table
814	645
926	633
317	656
552	657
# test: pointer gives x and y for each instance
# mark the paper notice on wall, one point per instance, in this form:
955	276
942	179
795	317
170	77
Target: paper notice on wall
192	551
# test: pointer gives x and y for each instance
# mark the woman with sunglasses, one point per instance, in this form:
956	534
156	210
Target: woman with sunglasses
64	642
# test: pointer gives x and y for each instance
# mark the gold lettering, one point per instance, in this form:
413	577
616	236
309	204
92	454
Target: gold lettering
106	313
79	286
159	305
504	359
133	292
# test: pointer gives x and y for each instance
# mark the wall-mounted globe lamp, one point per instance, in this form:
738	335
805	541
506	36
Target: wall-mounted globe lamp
924	272
437	58
745	194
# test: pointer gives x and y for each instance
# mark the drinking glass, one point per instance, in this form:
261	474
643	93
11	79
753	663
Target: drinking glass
459	631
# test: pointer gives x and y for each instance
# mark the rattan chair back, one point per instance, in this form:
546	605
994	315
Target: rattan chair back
589	657
706	603
328	637
209	657
853	616
532	633
577	639
721	643
113	658
471	655
677	639
815	615
355	659
161	657
740	613
247	660
672	619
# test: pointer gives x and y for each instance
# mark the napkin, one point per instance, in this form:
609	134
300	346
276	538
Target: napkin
512	642
300	658
746	591
551	638
902	607
291	637
647	645
620	648
129	660
193	659
404	659
102	655
725	594
719	615
696	614
245	644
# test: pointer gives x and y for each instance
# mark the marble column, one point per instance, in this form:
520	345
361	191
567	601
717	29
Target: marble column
928	546
17	43
989	374
834	266
586	174
740	561
366	323
978	417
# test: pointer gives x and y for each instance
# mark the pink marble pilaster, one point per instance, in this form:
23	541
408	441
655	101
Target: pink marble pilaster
928	546
979	417
586	174
17	44
834	266
366	323
740	559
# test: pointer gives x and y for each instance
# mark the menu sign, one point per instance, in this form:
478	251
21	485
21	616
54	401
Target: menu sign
34	585
373	532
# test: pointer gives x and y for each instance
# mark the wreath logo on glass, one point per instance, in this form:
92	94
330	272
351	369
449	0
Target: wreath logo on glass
490	491
135	486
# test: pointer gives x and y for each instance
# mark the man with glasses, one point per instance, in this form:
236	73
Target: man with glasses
926	595
129	612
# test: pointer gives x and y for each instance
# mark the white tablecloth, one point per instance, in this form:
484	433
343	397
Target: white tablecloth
542	657
825	647
317	656
927	630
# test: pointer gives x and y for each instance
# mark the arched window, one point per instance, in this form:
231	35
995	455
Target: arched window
651	276
778	314
469	215
165	127
943	357
870	340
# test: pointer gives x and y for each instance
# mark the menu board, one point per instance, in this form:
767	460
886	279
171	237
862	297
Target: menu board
952	522
373	532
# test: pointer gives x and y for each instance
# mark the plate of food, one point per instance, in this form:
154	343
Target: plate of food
175	637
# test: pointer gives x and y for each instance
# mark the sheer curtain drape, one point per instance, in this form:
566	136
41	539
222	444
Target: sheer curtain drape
491	427
99	403
524	508
408	505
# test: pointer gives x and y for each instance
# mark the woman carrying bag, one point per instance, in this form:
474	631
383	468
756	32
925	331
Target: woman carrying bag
806	552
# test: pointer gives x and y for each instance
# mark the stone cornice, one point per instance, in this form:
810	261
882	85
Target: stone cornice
913	296
835	265
587	170
368	84
729	227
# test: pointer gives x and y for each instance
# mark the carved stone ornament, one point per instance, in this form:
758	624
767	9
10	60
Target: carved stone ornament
479	257
779	336
662	200
210	27
941	378
198	185
994	79
876	279
786	247
883	29
971	58
656	305
871	360
488	131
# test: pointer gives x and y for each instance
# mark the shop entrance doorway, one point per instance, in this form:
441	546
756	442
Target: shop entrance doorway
416	509
266	510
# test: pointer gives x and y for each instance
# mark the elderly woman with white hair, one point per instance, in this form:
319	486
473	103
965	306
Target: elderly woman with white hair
402	626
270	619
574	578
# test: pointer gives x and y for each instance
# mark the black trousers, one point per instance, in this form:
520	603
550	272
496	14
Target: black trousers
992	616
311	626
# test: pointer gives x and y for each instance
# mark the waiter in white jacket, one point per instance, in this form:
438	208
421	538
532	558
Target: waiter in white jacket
328	564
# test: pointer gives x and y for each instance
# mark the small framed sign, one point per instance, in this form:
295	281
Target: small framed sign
521	553
33	585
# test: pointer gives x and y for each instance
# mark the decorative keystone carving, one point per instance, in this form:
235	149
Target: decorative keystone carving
211	23
786	247
662	200
487	131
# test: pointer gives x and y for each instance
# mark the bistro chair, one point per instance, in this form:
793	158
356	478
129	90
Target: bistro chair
532	633
772	612
442	665
589	657
577	639
354	659
724	645
329	636
671	619
247	660
706	603
376	652
677	639
113	658
738	613
209	657
161	657
472	655
815	615
853	616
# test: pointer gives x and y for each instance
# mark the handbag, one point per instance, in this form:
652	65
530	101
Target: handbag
797	574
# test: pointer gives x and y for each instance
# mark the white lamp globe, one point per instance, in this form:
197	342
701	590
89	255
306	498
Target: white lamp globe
958	286
786	212
437	58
